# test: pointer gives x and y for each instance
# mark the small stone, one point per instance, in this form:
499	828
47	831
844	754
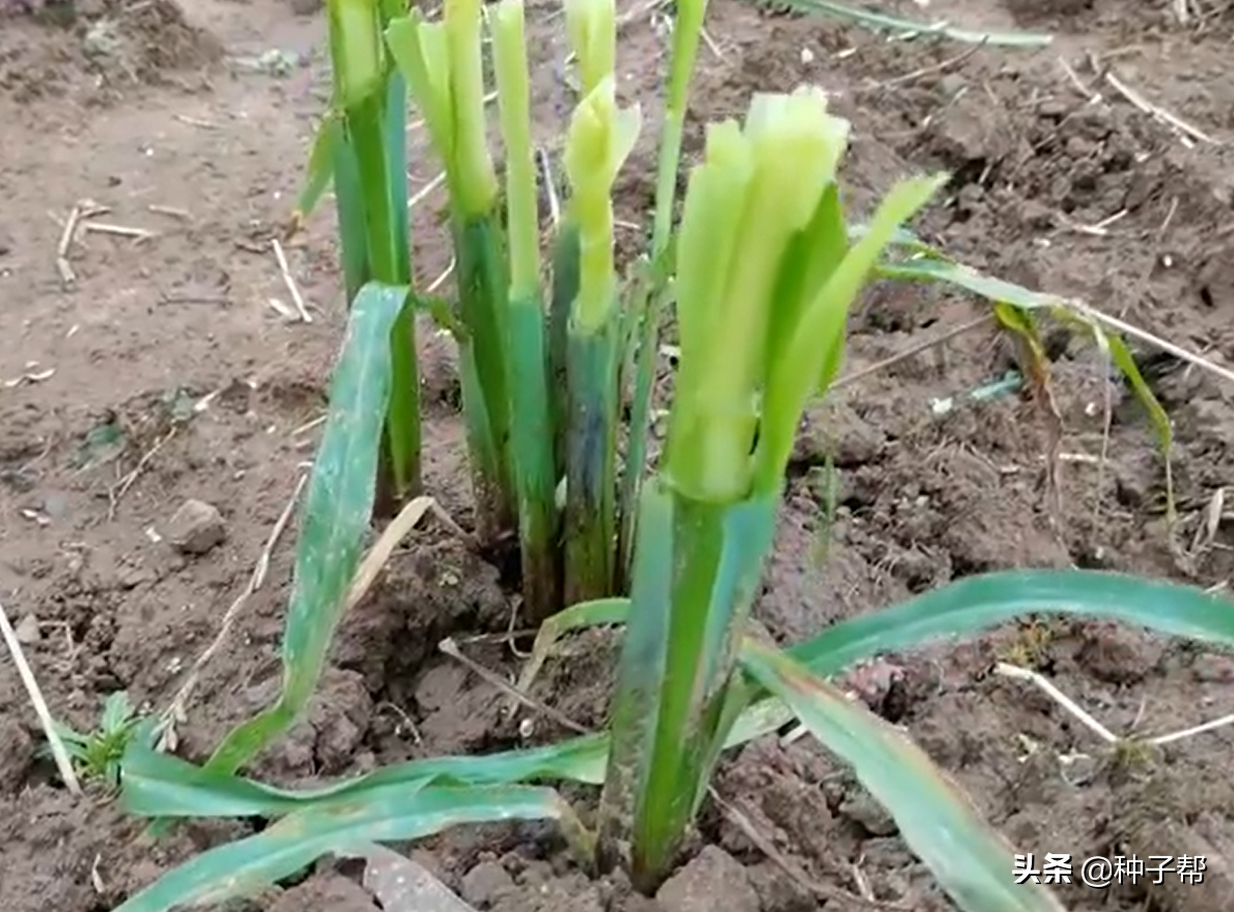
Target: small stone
1212	668
27	630
713	880
1119	655
886	852
872	816
55	504
17	755
196	528
484	884
780	892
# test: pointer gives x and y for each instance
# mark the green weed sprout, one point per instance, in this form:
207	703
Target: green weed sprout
97	753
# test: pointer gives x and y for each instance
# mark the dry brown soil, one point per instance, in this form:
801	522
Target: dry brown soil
195	127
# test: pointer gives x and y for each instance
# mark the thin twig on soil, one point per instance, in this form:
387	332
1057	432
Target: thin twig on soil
1157	112
120	488
378	555
1026	674
450	648
63	762
309	425
65	268
292	288
1144	336
178	709
1194	730
219	300
1100	229
138	235
441	279
914	75
407	720
742	821
172	211
909	352
1092	96
197	122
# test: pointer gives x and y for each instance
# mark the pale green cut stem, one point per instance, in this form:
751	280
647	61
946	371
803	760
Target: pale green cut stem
475	180
594	216
514	104
593	32
356	49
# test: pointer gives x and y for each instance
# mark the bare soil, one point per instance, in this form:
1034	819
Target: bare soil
163	374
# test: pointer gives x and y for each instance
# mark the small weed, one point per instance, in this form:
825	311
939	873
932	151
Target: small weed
1030	648
97	754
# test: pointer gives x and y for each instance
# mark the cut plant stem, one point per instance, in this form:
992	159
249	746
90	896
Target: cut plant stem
600	139
533	458
370	172
696	570
591	461
765	279
442	63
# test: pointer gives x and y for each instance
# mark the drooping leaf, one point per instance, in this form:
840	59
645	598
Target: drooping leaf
326	143
976	604
970	860
335	517
160	785
930	265
877	20
381	815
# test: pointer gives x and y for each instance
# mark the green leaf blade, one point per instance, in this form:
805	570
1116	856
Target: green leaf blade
160	785
976	604
320	171
335	518
971	861
380	815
